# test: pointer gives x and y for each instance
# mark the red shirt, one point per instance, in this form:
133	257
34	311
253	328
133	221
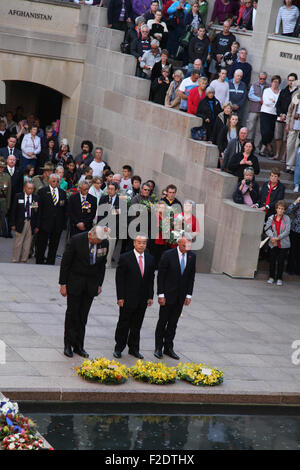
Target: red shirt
278	227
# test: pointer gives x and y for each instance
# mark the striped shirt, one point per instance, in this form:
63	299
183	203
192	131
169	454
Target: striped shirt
288	16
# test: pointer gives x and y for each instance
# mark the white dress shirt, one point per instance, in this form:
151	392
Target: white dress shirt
137	255
185	261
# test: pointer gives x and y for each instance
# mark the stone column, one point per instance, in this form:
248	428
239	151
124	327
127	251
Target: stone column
264	25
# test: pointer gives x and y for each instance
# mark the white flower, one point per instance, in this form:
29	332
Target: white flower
11	446
206	371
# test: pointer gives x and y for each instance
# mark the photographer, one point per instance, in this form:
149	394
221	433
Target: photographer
247	191
160	87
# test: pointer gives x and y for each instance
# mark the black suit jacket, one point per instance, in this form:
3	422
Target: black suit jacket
75	269
17	153
52	218
116	206
130	284
17	216
17	181
170	281
77	214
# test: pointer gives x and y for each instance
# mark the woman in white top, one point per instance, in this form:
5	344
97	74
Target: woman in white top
288	15
31	147
158	29
96	191
268	115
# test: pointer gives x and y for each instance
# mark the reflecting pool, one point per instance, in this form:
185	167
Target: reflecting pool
236	428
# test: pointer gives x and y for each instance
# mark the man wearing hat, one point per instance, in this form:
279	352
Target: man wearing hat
5	192
81	277
41	181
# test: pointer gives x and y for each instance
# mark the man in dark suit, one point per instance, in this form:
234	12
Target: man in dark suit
134	284
24	222
175	282
16	179
111	200
11	149
82	208
81	277
52	220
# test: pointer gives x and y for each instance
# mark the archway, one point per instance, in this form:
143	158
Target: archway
41	101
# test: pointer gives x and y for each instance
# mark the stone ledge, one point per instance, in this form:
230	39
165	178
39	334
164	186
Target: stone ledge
196	397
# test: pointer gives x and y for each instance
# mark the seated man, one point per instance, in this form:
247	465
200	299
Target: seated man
150	58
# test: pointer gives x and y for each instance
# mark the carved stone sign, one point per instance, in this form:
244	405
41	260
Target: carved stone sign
30	14
289	55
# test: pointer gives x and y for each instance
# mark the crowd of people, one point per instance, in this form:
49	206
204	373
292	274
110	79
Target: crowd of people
246	117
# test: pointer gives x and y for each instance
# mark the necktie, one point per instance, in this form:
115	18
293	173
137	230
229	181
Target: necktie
27	208
141	265
54	198
182	264
10	151
83	203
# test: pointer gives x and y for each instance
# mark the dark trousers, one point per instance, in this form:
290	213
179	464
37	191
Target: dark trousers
78	307
129	327
267	127
277	259
43	238
294	254
166	326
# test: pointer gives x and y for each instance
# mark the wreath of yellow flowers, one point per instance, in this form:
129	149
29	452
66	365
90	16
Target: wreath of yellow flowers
103	371
152	372
199	374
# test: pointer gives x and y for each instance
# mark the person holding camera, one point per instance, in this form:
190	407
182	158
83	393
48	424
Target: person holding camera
160	87
247	190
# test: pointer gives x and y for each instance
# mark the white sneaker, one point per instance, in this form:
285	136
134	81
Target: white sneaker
296	188
279	282
270	280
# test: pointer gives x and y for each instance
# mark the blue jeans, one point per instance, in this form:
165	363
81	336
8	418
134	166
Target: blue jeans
297	168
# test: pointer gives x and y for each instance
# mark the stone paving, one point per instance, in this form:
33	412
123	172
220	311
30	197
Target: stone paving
245	327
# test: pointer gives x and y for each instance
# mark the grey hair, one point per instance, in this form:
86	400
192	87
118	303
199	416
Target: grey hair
249	170
139	19
144	26
239	70
189	201
54	175
155	42
209	89
83	182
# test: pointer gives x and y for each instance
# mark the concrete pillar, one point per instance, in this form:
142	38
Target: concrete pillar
264	25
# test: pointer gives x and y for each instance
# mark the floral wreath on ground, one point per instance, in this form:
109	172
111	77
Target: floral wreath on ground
152	372
103	371
199	374
16	431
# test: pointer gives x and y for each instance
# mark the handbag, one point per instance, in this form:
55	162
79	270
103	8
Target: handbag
198	133
124	47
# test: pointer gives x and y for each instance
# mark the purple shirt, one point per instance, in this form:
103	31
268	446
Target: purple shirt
140	7
222	11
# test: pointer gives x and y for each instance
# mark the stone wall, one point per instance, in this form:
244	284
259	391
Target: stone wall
114	112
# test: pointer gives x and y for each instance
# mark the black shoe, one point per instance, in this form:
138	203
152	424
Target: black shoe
81	352
117	354
171	353
68	351
136	354
158	353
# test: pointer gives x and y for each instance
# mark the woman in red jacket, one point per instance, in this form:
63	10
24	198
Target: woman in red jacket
196	95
